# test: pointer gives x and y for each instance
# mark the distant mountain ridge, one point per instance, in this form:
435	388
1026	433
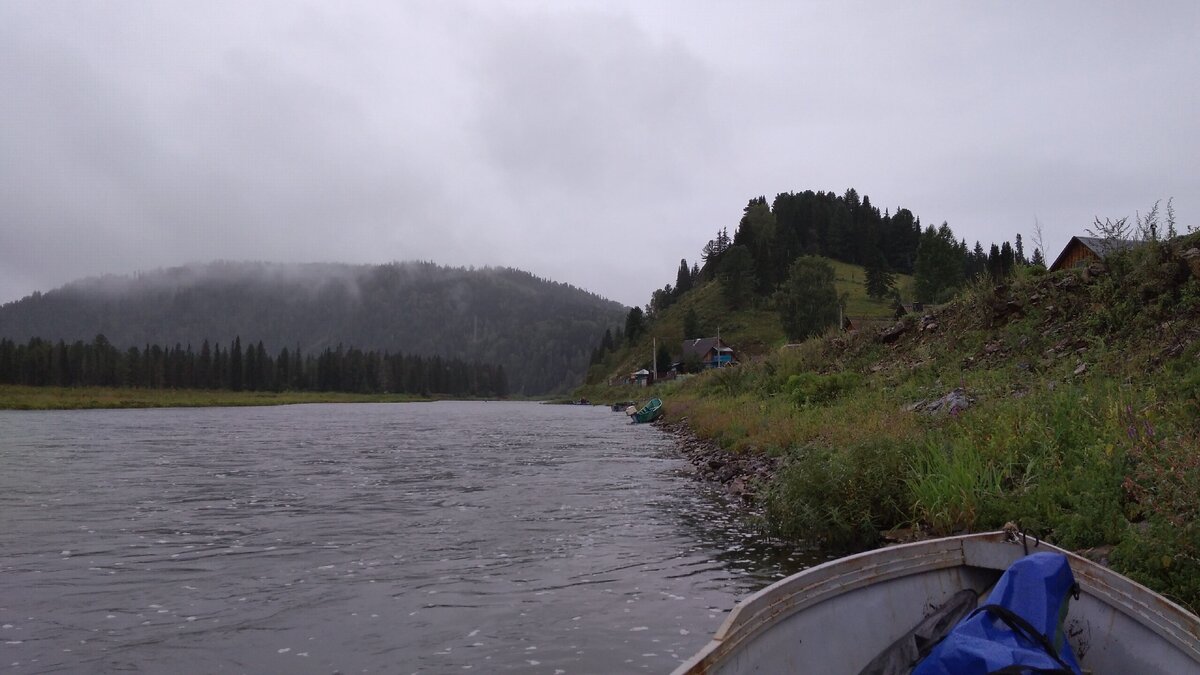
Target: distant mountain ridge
540	331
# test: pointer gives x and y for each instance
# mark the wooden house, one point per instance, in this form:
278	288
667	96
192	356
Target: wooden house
712	352
1081	251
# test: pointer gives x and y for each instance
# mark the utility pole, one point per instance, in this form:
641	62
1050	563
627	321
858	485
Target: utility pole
654	347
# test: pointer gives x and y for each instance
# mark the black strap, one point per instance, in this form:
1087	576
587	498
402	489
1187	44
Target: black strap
1020	625
1027	669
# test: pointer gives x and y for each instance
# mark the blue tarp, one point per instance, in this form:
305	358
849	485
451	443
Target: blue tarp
1036	589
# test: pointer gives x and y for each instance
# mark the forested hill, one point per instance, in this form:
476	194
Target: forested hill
540	331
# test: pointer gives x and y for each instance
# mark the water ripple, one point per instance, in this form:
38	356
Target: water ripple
508	537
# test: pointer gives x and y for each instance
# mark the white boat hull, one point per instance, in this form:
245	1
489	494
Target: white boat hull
836	617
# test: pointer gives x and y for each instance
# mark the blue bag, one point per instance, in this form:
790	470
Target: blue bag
1019	628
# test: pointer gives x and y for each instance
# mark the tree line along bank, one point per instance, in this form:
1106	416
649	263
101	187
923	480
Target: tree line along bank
98	363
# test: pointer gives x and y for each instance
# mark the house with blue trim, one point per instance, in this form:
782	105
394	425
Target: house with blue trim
712	352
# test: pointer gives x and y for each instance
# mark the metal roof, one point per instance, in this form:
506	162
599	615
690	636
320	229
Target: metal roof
1097	245
701	346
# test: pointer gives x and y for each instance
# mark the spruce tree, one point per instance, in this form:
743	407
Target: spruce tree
879	281
683	278
634	324
1007	260
808	301
251	369
939	269
978	262
994	264
235	364
737	276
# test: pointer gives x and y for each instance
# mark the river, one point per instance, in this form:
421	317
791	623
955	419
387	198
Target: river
401	538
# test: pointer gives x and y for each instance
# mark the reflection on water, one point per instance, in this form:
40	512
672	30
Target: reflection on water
497	537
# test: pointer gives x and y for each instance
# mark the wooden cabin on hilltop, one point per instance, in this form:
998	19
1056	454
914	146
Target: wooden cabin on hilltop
1081	251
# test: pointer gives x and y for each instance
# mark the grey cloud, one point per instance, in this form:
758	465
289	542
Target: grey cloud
594	143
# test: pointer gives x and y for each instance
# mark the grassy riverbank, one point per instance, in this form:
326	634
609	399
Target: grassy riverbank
74	398
1069	403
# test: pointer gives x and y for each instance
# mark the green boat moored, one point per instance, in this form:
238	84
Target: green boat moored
650	412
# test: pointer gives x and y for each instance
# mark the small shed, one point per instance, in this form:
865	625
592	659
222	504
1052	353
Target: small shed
712	352
1081	251
640	378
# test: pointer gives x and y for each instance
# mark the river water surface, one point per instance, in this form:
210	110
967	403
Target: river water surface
406	538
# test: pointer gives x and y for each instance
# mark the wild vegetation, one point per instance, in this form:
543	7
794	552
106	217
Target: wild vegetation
1077	416
1067	402
539	331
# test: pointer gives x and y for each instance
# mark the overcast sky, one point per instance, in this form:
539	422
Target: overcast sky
594	143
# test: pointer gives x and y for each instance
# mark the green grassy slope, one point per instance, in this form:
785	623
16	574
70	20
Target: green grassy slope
752	331
1084	424
851	280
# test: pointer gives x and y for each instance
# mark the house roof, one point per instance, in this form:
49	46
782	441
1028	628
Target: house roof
643	371
1101	247
701	346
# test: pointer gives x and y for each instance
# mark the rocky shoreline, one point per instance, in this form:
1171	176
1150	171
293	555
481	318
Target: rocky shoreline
740	475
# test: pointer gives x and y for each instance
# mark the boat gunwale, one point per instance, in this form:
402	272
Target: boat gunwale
770	605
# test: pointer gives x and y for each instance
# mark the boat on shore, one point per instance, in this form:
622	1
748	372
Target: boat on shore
837	617
649	412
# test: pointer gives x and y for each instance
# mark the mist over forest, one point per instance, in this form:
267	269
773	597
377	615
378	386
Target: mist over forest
540	331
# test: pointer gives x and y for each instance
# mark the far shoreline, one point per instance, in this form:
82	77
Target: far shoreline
24	398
